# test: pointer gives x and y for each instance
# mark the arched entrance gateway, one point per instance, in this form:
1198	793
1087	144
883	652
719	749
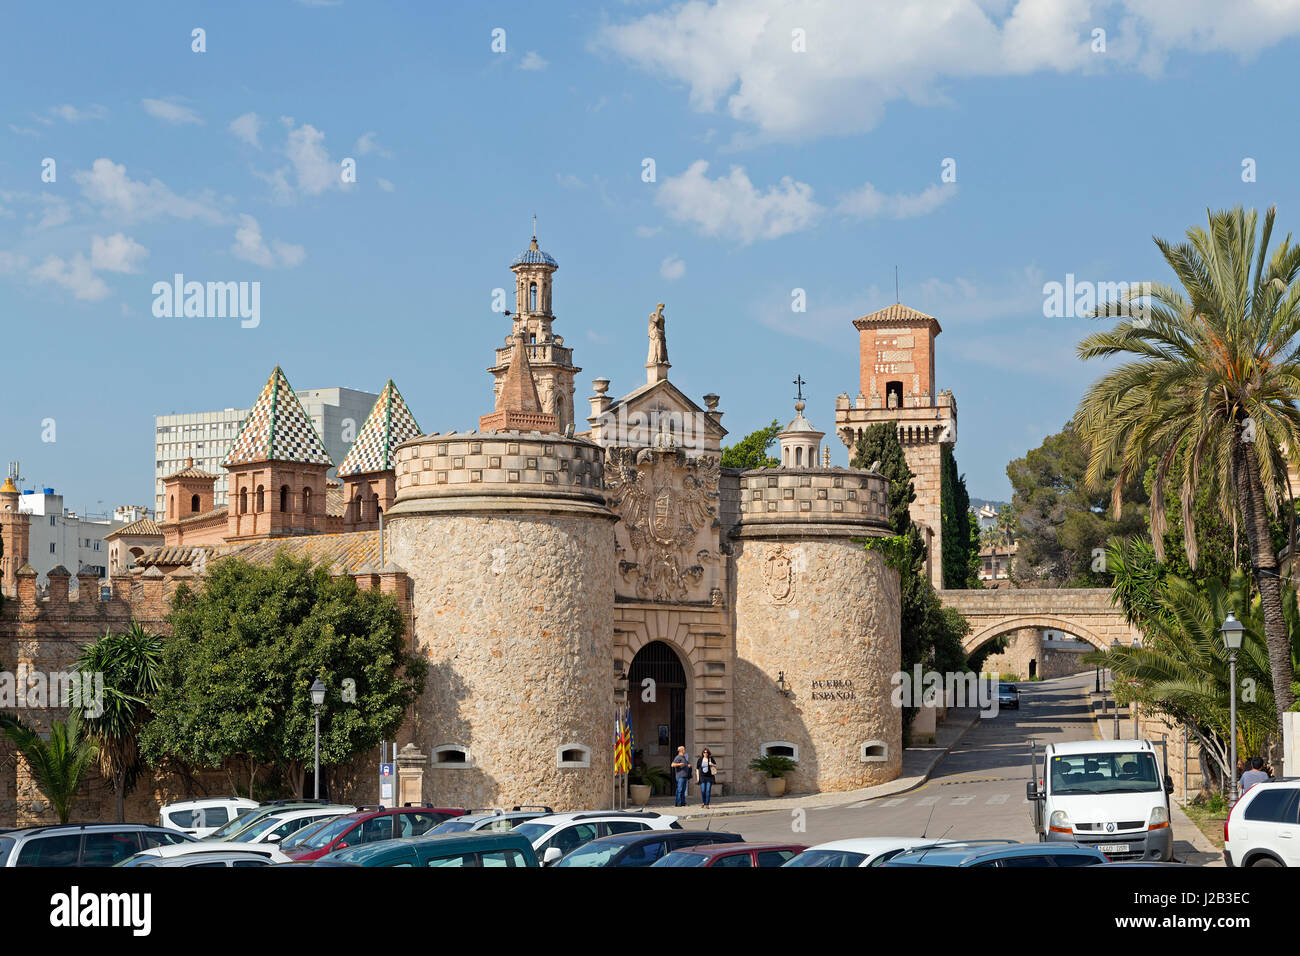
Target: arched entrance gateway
657	695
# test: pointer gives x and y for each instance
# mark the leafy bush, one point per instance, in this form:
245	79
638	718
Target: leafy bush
773	765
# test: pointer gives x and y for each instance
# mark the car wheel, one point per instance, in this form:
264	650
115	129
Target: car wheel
1264	861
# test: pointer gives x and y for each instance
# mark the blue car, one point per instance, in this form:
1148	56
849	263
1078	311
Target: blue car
1001	853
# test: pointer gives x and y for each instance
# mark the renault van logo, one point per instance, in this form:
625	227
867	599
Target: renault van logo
1110	828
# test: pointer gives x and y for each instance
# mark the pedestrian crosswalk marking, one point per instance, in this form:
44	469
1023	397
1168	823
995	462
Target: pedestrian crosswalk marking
961	801
996	799
896	801
927	801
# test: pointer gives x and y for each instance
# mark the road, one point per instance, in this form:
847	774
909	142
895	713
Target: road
977	790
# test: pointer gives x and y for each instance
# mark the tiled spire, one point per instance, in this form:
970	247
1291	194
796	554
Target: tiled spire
389	423
277	429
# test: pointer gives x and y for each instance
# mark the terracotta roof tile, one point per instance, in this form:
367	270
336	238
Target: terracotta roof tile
145	526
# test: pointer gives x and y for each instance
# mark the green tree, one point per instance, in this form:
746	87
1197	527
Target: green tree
751	451
131	667
958	527
57	765
245	651
1211	378
931	634
1062	524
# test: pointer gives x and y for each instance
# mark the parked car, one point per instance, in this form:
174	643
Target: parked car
641	849
201	817
83	844
482	849
732	854
1263	827
263	810
293	839
1111	794
1000	853
865	851
369	826
1008	696
208	854
474	821
559	834
277	825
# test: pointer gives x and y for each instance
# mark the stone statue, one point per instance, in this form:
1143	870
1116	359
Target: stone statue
893	399
658	338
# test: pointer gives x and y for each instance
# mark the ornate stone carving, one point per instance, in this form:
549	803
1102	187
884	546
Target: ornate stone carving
778	575
665	499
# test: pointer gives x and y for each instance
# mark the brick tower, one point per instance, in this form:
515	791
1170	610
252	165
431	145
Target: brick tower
896	384
368	473
14	541
552	363
277	468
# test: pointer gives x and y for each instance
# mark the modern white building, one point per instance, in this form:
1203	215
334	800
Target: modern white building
63	537
206	437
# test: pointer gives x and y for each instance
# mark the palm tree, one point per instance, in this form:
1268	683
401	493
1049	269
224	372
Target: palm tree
1210	387
58	764
131	665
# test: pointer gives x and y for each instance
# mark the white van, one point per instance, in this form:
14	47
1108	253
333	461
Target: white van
200	817
1108	794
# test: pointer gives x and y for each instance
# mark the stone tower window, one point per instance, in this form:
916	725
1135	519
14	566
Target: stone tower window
306	501
171	506
194	503
573	755
893	394
451	757
243	501
532	296
875	751
261	498
284	498
779	748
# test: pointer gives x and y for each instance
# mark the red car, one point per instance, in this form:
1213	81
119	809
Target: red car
370	826
733	854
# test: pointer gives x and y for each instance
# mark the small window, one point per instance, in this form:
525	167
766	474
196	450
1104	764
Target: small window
284	498
780	748
261	498
51	547
194	504
875	751
306	501
574	755
451	756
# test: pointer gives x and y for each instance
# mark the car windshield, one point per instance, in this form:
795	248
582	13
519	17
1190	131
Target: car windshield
1007	688
593	854
296	839
678	858
828	858
532	832
1122	772
327	834
452	826
251	832
235	825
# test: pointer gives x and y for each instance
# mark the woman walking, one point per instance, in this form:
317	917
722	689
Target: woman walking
705	768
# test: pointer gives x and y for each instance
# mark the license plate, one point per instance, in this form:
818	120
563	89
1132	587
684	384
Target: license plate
1113	847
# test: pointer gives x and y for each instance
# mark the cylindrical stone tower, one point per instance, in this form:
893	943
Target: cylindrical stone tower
817	627
510	549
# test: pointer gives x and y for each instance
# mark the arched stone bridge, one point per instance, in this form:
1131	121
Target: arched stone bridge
1086	613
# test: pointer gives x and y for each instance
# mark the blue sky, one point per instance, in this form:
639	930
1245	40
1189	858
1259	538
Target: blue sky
775	169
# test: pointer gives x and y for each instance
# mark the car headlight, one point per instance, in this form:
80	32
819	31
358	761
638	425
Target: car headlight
1159	818
1060	820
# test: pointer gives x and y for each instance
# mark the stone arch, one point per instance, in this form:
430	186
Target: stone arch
998	628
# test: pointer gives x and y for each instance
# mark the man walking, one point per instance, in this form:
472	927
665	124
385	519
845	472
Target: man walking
1254	775
682	771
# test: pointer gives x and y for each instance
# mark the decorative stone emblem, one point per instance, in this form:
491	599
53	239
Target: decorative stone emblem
778	575
665	500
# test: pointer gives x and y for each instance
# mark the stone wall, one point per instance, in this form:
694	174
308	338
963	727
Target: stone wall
1025	646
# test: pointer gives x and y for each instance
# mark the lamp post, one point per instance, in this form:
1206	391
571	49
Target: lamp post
1232	631
317	702
1114	646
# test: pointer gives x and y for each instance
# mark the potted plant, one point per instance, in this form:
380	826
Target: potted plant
773	767
642	781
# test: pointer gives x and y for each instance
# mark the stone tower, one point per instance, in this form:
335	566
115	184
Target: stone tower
277	468
552	363
14	540
896	384
368	471
817	624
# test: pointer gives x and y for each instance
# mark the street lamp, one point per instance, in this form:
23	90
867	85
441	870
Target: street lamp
1114	646
317	702
1232	631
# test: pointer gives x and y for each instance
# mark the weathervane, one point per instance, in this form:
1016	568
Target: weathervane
799	383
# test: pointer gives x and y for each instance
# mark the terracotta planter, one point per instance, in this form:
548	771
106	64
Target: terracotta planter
638	794
775	786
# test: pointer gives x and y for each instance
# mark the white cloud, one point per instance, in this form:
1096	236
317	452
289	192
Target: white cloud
74	275
170	111
311	170
867	202
73	114
533	61
24	130
366	144
251	247
860	57
648	232
730	207
107	186
56	211
246	128
11	262
116	253
384	184
570	181
672	268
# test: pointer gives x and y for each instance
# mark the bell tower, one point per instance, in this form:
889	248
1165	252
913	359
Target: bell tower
551	362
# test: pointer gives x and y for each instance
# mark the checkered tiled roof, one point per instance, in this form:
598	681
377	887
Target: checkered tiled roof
277	429
389	424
